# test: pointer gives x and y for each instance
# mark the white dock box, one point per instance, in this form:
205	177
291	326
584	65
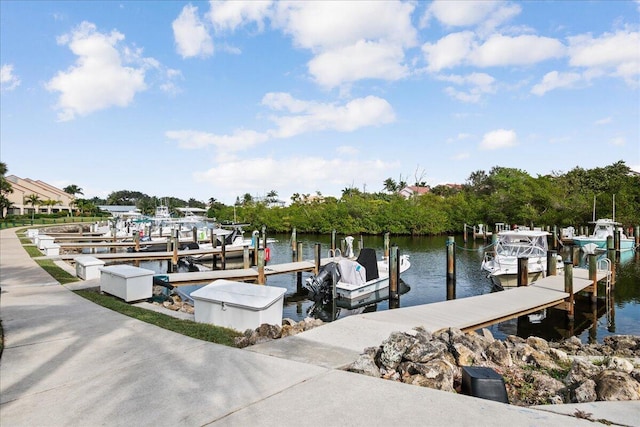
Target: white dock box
238	305
51	249
127	282
88	267
44	240
32	233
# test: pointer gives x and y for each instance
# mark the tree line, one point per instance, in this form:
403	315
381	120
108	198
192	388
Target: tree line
506	195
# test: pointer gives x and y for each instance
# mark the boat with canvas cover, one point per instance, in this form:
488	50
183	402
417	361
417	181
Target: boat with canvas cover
597	241
502	263
354	279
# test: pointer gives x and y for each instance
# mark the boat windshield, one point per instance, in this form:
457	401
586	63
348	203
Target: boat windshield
522	246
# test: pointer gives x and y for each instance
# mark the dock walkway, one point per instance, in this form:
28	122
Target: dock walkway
340	342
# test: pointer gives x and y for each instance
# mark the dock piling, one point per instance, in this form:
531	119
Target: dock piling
245	257
261	276
386	246
299	274
552	261
317	257
394	273
568	288
593	271
451	268
523	271
294	245
333	241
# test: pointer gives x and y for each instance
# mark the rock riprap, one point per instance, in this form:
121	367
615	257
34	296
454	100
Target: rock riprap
535	371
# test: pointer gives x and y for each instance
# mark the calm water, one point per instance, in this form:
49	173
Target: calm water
425	282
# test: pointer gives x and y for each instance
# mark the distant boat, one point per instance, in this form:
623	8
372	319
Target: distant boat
597	241
502	263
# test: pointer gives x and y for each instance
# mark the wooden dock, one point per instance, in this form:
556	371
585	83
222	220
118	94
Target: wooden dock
242	274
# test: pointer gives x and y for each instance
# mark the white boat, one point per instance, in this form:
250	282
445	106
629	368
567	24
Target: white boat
354	279
597	241
502	263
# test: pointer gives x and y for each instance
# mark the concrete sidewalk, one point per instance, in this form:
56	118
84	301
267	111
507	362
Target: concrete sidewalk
67	361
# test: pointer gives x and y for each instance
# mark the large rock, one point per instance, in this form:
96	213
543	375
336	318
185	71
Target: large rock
423	350
436	374
393	349
498	354
586	392
581	370
366	365
616	385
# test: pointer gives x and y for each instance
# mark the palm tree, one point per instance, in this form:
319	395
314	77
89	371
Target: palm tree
72	190
33	200
51	203
5	189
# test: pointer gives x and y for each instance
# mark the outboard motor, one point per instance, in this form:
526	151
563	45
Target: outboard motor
321	286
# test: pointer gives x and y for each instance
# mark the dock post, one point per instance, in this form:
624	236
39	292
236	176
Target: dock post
299	273
261	278
611	250
555	237
317	258
593	276
568	288
136	239
360	244
174	259
637	236
451	262
464	232
223	260
264	236
616	240
334	292
255	239
385	253
294	245
333	241
194	232
523	271
552	261
394	273
575	255
245	256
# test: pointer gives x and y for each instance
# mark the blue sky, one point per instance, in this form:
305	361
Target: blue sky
219	99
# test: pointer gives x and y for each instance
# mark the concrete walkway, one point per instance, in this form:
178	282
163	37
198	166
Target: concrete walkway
69	362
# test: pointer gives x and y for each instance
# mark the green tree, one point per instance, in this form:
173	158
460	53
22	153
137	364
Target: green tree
5	189
33	200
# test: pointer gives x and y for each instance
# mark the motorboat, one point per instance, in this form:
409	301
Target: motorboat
597	241
353	279
502	263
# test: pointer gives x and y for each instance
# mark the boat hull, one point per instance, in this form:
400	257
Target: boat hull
511	280
350	292
601	244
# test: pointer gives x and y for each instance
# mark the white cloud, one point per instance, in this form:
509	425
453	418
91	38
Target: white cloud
229	15
313	116
555	80
322	25
362	60
500	50
479	84
465	48
461	156
345	150
618	141
191	36
485	14
250	175
240	139
98	79
604	121
8	80
497	139
617	53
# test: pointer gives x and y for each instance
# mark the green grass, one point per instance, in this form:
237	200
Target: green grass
201	331
56	272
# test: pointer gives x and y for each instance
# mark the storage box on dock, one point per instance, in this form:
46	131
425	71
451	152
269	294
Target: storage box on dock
238	305
51	249
88	267
43	240
32	233
127	282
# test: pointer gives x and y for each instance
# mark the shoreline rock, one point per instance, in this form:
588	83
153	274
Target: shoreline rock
535	371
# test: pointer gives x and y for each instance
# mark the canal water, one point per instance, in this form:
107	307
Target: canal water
425	282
